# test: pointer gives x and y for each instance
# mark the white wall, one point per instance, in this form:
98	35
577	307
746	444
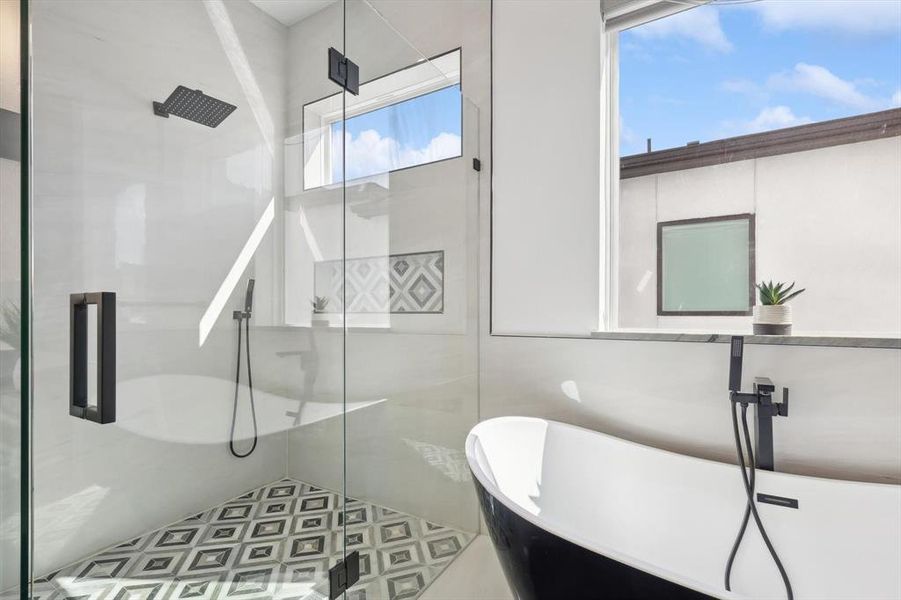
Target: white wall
547	78
827	218
156	210
846	403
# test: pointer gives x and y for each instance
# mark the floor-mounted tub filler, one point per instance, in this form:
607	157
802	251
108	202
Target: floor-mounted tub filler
574	513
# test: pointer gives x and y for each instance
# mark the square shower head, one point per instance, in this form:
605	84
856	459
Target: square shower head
194	105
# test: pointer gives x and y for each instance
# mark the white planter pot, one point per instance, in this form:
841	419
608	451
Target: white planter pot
772	319
319	319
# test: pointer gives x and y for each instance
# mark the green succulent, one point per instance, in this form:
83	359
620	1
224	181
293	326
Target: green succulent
320	303
10	324
777	293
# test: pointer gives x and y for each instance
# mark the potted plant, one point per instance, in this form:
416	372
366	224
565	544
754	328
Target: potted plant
773	316
320	304
10	335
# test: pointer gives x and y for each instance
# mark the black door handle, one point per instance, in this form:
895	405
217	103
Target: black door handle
105	410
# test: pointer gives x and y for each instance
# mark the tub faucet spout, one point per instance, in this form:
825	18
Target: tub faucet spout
765	410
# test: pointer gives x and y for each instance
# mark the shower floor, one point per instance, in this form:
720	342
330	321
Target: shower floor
275	542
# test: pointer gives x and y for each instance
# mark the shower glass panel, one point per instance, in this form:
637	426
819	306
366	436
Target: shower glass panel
410	289
10	297
168	170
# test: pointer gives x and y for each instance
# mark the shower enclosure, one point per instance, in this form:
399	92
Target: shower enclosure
329	151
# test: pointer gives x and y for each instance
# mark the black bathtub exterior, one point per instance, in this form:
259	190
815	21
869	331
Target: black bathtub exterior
541	566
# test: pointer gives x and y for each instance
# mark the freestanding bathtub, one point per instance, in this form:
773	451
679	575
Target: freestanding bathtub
578	514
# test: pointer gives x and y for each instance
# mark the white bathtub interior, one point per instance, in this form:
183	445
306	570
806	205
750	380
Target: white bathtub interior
676	516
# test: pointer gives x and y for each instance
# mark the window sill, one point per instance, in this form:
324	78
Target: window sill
769	340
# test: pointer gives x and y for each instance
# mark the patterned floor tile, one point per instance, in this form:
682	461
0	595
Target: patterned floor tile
272	528
400	558
201	517
137	589
307	547
158	565
404	586
259	581
300	580
282	489
314	503
209	559
231	513
196	588
176	537
282	507
223	533
354	538
137	544
275	542
259	553
310	522
443	548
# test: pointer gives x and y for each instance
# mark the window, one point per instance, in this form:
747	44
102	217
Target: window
749	142
405	119
706	266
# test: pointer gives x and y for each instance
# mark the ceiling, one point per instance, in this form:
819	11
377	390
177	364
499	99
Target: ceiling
289	12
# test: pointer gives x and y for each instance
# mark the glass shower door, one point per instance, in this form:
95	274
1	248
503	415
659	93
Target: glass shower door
409	142
173	360
11	348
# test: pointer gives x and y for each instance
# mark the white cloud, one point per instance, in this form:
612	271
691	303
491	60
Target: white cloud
370	153
745	87
896	98
700	25
820	81
858	17
771	117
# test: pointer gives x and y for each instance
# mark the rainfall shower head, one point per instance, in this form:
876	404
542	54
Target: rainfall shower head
194	105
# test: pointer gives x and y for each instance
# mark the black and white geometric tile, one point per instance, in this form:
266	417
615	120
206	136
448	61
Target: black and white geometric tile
399	283
276	542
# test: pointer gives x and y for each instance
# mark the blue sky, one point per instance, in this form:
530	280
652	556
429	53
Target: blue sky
725	70
422	129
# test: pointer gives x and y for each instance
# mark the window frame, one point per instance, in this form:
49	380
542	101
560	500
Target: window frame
752	264
329	118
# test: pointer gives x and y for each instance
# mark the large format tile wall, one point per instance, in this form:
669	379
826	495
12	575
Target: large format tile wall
156	210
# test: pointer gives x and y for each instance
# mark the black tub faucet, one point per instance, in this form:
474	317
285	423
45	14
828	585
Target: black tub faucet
765	409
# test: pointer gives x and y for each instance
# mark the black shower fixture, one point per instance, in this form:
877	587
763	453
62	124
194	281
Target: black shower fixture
195	106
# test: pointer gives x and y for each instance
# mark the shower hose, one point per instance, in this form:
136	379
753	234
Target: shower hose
751	507
253	411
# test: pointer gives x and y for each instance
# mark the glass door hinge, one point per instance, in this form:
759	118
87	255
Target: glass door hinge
343	575
343	71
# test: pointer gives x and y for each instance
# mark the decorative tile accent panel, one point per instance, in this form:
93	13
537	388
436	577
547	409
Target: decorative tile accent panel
277	543
399	283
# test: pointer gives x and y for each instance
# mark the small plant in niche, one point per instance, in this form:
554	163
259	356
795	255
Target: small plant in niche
773	315
320	304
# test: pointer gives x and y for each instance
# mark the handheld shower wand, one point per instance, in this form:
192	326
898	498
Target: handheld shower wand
736	396
244	317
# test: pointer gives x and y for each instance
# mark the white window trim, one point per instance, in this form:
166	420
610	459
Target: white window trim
617	16
425	77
